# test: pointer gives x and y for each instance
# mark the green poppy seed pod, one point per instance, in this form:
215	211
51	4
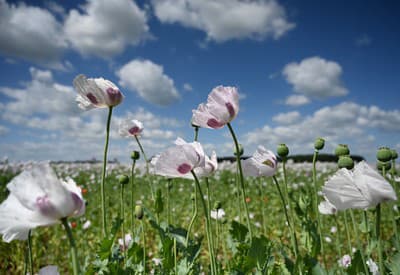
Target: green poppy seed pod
342	150
139	212
394	154
319	143
135	155
217	205
381	164
384	154
346	162
282	150
123	179
241	151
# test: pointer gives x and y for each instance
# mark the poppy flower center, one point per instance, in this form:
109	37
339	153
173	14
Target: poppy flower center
184	168
134	130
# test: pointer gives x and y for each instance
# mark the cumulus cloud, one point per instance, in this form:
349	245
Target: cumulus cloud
149	81
104	28
226	19
315	77
31	33
347	122
287	118
3	130
297	100
187	87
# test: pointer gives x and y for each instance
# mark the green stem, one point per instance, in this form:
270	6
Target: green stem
346	224
209	212
74	257
319	227
358	242
338	243
194	216
175	257
216	234
103	174
262	208
366	222
168	205
30	255
123	218
293	238
239	165
238	194
144	247
132	196
196	133
378	238
208	225
143	153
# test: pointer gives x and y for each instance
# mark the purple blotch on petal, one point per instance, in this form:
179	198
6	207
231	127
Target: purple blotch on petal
92	98
114	95
213	123
184	168
230	108
134	130
45	206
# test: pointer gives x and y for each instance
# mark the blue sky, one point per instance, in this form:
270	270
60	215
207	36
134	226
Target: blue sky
303	68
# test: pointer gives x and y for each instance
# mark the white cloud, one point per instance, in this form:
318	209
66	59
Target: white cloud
287	118
187	87
105	28
149	81
315	77
363	40
226	19
296	100
31	33
3	130
347	122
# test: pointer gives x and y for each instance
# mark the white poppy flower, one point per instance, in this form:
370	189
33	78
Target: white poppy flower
362	188
217	214
373	267
221	108
262	163
38	198
326	208
179	161
96	93
130	128
345	261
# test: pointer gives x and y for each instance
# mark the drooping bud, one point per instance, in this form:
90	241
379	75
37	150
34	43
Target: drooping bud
394	154
123	179
346	162
135	155
342	150
139	212
381	164
384	154
241	151
282	150
319	143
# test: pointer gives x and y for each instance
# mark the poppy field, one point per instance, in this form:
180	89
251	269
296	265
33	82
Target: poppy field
183	212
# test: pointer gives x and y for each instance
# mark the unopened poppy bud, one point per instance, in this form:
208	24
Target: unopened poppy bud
241	151
384	154
394	154
123	179
217	205
135	155
139	212
342	150
346	162
381	164
282	150
319	143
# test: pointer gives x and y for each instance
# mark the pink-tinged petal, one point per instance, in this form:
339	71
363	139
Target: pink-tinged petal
130	127
184	168
262	163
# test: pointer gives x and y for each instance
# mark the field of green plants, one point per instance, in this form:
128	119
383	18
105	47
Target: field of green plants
157	243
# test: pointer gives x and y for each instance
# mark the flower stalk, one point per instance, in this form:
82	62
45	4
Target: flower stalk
75	266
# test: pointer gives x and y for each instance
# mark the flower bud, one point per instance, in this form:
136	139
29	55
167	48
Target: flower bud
381	164
217	205
135	155
384	154
346	162
342	150
394	154
319	143
139	212
241	151
123	179
282	150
